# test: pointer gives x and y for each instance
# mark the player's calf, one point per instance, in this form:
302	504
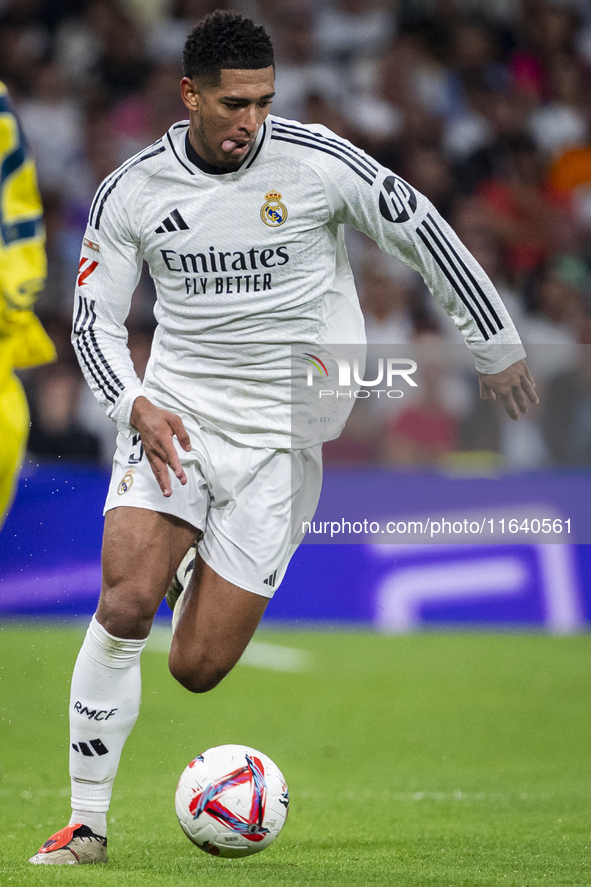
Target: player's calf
216	620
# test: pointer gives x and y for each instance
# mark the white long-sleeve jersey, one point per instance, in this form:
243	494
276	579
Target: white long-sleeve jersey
246	264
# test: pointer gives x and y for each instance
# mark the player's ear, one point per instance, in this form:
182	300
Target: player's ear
190	93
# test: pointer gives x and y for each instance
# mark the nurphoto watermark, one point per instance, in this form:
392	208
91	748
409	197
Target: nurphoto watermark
413	455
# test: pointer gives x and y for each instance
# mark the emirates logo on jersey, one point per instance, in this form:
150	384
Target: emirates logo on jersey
273	212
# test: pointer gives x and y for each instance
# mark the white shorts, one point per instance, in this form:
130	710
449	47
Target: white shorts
248	502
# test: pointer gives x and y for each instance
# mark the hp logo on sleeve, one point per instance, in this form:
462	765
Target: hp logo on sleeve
398	202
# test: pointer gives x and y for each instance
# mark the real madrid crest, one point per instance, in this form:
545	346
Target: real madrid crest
273	212
126	482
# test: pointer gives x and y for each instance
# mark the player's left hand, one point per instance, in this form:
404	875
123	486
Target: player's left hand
514	387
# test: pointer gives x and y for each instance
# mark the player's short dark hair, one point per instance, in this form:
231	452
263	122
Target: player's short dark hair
224	39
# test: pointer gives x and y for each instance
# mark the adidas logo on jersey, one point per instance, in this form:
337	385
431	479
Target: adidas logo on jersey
173	222
99	748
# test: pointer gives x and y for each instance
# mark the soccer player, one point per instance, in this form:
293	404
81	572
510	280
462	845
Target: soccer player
23	341
240	217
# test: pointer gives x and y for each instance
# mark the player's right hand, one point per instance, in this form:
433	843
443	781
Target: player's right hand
513	386
157	428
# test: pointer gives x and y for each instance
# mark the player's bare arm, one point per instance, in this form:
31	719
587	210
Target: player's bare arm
157	428
513	386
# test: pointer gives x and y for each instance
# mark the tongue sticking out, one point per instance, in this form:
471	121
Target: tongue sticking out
229	145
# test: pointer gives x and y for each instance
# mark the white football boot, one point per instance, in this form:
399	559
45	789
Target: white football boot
73	845
176	589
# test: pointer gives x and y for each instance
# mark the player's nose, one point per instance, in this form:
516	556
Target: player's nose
248	122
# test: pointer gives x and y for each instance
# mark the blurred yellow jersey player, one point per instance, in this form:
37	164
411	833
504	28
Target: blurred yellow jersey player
23	341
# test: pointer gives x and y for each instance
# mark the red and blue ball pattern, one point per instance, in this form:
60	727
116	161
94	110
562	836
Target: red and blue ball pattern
232	801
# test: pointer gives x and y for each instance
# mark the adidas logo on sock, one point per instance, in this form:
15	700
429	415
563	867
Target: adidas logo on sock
168	224
270	580
99	748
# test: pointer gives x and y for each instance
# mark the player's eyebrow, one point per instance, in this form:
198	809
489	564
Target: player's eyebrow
244	101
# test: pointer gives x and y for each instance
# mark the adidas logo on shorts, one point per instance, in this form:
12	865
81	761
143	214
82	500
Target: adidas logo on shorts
271	580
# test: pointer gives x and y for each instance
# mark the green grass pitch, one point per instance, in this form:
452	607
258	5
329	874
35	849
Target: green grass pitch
432	759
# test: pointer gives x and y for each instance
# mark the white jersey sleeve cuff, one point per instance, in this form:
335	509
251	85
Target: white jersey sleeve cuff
121	413
491	358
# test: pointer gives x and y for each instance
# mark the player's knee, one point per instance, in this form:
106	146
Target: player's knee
125	615
199	674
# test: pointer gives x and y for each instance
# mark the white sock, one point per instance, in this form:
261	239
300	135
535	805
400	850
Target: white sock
96	821
104	705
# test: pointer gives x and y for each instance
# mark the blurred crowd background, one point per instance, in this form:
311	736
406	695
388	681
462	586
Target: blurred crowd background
483	105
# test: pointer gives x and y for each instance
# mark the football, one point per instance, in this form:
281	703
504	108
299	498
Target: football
232	801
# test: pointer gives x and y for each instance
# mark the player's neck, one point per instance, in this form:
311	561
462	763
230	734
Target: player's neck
199	162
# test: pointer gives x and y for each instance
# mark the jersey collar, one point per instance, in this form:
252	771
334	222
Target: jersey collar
175	139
